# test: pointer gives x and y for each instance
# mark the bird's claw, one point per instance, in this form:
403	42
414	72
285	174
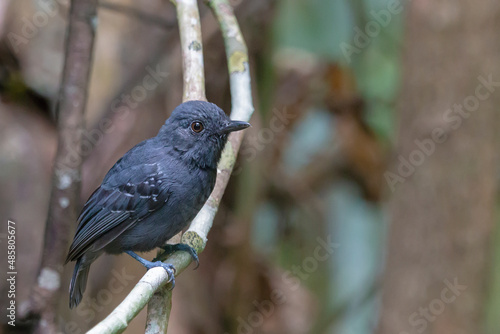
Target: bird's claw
195	259
169	249
169	268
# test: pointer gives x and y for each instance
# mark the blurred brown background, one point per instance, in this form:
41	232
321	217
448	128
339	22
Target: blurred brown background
365	195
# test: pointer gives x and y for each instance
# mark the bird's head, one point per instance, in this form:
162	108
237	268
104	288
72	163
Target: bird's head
198	131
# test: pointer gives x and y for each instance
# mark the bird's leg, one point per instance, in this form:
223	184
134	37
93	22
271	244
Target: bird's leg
148	264
169	249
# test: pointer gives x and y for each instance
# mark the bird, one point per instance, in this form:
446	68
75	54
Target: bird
152	192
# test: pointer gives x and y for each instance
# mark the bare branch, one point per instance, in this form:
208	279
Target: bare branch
192	49
65	192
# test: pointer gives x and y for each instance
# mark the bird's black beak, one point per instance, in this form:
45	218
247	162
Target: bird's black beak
235	126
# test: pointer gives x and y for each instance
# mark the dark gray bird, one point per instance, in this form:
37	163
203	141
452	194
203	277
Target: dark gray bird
152	192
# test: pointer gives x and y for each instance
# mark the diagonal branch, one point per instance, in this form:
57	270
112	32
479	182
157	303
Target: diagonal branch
64	200
242	109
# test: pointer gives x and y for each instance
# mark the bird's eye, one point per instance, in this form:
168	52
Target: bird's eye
197	127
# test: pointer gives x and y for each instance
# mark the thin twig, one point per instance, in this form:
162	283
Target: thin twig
64	200
188	17
196	235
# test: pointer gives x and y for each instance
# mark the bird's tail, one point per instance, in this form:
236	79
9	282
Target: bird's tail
78	282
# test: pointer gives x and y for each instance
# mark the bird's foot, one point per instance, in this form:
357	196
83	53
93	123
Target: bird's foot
169	268
169	249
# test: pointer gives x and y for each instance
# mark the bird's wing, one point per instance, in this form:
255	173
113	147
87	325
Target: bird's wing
126	196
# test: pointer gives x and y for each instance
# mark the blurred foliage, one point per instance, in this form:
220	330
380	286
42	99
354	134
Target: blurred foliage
319	27
308	142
